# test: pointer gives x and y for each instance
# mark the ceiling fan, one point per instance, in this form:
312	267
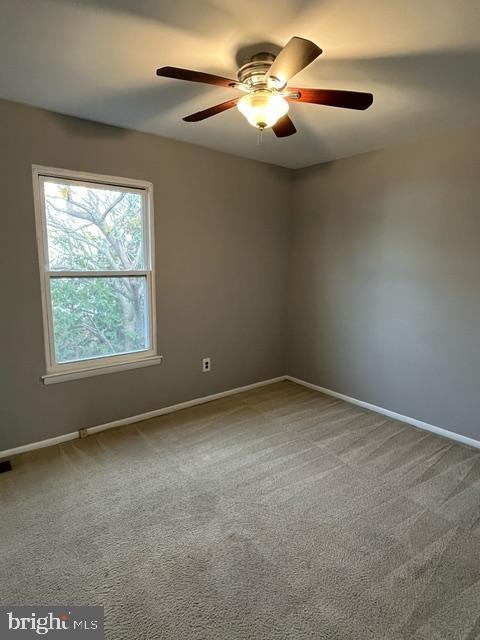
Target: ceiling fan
264	80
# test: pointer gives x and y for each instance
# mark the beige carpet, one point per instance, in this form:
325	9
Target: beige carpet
279	513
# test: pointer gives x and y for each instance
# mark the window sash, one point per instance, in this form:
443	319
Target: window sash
98	274
43	174
146	214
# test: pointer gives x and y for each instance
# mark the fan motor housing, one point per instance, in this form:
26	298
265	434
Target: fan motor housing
253	72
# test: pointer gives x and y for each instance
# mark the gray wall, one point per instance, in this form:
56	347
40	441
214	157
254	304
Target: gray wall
221	244
385	279
384	293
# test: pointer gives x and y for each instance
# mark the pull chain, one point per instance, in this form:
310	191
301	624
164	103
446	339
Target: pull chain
259	136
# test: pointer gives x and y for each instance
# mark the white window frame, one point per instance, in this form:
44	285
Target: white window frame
59	372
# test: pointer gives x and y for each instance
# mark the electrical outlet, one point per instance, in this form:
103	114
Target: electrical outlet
206	364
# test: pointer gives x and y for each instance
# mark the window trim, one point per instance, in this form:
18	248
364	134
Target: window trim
58	372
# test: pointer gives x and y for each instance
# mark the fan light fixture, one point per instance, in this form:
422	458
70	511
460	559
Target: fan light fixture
262	108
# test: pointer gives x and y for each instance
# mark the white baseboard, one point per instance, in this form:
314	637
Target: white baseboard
49	442
181	405
215	396
391	414
138	418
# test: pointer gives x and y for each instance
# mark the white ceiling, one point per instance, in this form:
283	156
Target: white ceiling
97	59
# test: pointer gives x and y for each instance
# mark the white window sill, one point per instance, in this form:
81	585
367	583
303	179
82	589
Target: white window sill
53	378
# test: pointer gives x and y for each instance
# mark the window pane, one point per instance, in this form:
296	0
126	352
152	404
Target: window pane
94	317
93	229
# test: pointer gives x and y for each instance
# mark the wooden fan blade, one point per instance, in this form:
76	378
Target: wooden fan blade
297	54
334	98
211	111
284	127
194	76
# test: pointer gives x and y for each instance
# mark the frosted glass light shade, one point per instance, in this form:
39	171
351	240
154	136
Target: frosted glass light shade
262	108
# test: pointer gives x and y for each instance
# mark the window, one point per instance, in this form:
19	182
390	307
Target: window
95	240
